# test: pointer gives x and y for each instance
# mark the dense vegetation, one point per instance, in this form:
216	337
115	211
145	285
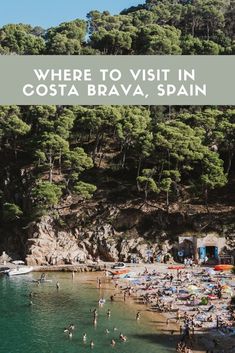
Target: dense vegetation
50	153
47	152
156	27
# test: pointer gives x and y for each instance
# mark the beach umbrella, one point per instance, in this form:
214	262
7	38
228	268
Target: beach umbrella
193	288
210	271
227	289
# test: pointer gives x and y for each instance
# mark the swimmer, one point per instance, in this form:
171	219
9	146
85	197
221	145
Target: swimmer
107	331
95	322
84	337
138	316
122	337
92	344
115	329
71	327
95	312
57	285
70	335
113	342
66	330
108	313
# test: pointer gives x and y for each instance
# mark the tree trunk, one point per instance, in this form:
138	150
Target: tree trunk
50	168
230	158
167	201
123	158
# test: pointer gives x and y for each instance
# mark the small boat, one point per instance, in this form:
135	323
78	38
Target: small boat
176	267
119	265
4	270
18	262
223	267
20	271
120	272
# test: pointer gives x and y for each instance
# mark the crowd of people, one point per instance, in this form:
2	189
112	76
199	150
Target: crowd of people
196	299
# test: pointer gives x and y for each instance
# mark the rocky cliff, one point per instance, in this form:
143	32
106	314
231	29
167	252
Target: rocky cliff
110	232
118	233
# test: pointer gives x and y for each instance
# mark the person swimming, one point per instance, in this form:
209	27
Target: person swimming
113	342
71	327
101	301
109	313
70	335
95	313
57	285
84	337
122	337
107	331
92	344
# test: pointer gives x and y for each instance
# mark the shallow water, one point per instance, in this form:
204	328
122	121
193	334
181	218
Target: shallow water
38	328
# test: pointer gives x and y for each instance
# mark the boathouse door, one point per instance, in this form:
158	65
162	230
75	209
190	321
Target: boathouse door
202	252
212	252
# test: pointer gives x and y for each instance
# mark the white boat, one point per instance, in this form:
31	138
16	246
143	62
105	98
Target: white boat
20	271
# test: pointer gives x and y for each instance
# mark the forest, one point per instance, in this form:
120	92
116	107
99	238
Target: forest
159	155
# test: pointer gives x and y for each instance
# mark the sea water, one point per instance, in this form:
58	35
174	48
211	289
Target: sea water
38	327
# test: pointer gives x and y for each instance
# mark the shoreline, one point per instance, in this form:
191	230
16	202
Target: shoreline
159	319
203	340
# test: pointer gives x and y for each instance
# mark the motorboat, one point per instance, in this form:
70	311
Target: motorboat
223	267
120	272
4	270
20	271
118	265
18	262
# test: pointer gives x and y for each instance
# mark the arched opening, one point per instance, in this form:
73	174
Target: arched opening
186	248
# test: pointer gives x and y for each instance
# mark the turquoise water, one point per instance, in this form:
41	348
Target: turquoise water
38	328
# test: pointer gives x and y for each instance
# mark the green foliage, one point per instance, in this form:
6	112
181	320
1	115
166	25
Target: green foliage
84	190
169	153
67	38
147	183
20	39
46	195
154	39
11	212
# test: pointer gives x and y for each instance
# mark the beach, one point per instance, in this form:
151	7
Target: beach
211	325
166	305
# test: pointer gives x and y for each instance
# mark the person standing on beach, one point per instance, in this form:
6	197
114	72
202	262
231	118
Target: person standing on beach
138	316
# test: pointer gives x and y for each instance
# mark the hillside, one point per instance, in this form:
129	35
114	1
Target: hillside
74	171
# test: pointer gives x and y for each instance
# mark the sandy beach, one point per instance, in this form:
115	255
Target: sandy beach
205	336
